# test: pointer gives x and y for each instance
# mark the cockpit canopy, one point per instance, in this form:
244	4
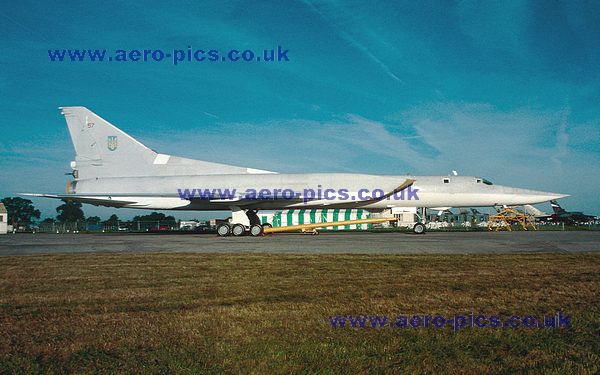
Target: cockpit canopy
478	180
483	180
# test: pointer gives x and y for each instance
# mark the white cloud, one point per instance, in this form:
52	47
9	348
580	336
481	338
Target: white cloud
562	139
349	143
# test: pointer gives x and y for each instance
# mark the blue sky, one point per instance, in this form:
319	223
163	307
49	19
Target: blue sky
506	90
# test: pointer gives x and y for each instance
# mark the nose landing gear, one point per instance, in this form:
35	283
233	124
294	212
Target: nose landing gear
419	228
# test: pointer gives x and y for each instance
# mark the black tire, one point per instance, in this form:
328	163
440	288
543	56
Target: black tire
256	230
223	230
267	225
238	230
419	228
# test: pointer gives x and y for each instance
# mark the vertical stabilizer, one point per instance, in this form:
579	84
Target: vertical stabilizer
557	208
103	150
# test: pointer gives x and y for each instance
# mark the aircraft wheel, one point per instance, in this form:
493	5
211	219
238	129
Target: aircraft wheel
419	228
223	230
267	225
256	230
238	230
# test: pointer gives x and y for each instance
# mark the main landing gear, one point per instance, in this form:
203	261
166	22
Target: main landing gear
238	229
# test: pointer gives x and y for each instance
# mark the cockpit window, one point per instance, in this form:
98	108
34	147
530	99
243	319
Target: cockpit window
480	180
487	182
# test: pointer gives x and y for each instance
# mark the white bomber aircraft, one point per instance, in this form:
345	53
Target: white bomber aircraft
113	169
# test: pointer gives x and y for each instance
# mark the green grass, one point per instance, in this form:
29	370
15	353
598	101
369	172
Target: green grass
264	313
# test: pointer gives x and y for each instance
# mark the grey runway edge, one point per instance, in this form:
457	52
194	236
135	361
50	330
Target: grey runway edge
325	243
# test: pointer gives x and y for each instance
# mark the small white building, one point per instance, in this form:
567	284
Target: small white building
3	219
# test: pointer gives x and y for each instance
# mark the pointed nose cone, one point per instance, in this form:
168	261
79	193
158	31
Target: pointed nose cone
510	196
534	197
545	197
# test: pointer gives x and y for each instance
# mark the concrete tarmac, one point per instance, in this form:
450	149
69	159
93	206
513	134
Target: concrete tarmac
324	243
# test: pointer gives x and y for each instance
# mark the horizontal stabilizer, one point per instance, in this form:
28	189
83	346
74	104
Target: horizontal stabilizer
98	201
147	202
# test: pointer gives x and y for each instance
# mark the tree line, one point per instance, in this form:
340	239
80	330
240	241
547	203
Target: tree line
23	214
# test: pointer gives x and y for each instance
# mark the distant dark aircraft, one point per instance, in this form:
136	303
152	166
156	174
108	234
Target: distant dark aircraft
559	215
562	216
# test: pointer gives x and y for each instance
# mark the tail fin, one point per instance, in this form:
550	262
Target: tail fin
102	147
557	208
103	150
95	138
